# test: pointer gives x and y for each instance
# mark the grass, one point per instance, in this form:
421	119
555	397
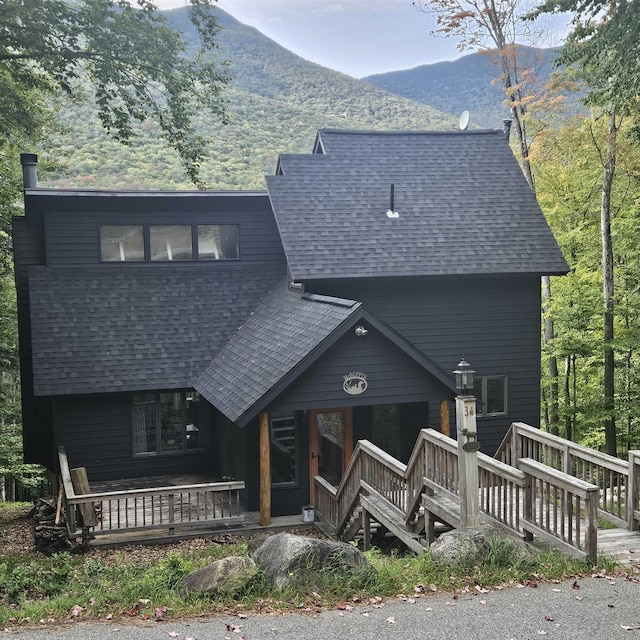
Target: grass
116	583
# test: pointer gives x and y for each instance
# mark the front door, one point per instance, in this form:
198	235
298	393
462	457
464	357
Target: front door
330	444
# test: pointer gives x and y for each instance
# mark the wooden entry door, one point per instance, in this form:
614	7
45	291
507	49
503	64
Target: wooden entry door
330	444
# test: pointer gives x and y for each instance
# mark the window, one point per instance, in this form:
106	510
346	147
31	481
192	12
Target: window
171	242
491	393
165	422
218	241
121	243
283	449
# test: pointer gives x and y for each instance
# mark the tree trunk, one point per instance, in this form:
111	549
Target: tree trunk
568	426
552	362
608	288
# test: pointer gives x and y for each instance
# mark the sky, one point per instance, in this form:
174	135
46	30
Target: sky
357	37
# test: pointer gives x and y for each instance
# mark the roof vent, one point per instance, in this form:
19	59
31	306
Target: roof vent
506	127
392	213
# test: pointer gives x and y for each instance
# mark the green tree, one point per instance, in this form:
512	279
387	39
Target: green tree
136	67
604	47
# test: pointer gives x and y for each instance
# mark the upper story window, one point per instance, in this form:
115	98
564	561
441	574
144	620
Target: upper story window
491	393
169	242
121	243
218	241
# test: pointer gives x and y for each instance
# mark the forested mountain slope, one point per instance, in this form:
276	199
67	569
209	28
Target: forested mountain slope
277	101
471	82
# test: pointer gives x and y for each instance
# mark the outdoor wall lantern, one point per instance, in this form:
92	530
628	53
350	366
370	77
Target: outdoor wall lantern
464	378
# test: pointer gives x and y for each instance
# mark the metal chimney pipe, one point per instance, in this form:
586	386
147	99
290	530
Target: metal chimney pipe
392	197
29	162
506	127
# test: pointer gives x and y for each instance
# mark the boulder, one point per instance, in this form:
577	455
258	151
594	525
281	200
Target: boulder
294	561
473	545
227	576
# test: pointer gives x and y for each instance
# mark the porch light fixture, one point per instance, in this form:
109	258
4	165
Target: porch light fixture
464	378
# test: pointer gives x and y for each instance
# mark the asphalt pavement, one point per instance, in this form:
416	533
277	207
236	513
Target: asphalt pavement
590	608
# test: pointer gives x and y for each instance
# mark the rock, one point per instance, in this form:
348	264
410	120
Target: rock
474	545
300	562
227	576
255	542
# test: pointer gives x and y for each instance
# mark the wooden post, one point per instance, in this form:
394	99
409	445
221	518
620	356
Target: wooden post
445	428
632	490
81	487
366	531
468	461
529	499
265	471
591	534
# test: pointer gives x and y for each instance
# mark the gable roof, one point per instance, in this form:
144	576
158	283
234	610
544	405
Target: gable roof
280	340
463	204
108	330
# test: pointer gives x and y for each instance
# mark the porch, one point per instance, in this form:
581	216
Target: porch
156	508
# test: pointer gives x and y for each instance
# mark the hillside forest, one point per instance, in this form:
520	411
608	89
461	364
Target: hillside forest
576	133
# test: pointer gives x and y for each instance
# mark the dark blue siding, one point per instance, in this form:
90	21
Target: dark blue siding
494	322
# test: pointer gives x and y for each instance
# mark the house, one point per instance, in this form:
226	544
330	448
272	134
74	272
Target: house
175	332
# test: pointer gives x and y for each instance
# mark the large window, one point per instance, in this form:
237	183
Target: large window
169	242
283	449
120	243
218	241
491	393
165	423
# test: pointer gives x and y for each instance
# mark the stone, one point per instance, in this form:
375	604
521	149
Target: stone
294	561
471	545
226	576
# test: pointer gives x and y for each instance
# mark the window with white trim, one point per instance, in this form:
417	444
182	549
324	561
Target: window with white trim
491	393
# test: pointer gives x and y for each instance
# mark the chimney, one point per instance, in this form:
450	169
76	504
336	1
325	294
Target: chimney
29	162
506	127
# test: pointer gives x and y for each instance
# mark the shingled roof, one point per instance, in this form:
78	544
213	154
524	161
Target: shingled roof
463	205
283	331
106	330
286	334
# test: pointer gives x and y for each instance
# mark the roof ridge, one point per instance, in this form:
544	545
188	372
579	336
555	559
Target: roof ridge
416	132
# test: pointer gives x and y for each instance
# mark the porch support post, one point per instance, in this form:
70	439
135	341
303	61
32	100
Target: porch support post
265	471
468	461
445	429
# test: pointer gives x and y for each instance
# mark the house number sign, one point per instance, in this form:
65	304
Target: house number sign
355	383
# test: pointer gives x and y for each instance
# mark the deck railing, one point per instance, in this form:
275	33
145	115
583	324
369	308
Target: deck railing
171	507
370	466
536	499
560	508
160	507
608	473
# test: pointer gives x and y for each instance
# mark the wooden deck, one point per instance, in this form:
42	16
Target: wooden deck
541	488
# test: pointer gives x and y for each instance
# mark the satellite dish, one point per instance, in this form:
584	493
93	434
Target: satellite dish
464	120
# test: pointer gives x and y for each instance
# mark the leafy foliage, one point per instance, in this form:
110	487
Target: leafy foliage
136	64
569	166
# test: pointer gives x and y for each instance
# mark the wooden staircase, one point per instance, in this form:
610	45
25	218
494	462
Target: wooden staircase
538	484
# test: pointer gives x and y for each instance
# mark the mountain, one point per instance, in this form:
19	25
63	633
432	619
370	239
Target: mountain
277	101
471	82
